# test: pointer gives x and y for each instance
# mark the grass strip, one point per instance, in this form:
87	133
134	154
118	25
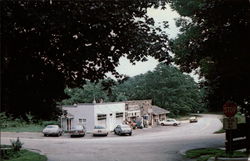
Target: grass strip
25	155
27	128
205	153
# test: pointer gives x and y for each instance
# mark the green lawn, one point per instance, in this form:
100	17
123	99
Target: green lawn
206	153
25	155
26	128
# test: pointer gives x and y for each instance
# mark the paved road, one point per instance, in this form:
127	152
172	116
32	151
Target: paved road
153	144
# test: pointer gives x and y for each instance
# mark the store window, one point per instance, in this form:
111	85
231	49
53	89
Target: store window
101	117
120	114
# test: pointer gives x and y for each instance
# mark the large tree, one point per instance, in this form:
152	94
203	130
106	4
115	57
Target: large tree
49	45
214	39
167	87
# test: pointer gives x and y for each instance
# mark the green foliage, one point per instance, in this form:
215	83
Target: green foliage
24	155
205	153
9	121
47	46
86	94
16	144
215	40
27	128
167	87
29	117
10	124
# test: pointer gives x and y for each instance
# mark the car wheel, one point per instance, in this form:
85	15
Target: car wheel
119	133
44	134
162	124
130	134
175	124
115	132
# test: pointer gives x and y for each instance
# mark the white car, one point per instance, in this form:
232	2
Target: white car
52	130
193	119
167	122
99	130
123	130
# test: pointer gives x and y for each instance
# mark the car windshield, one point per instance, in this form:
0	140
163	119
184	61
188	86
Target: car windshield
125	126
99	127
52	126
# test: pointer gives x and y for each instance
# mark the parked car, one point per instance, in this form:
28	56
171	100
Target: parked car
193	119
99	130
52	130
78	130
123	130
167	122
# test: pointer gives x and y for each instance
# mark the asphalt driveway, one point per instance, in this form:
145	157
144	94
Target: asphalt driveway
152	144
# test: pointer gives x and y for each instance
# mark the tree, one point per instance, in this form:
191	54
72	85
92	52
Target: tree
49	45
167	87
215	39
87	94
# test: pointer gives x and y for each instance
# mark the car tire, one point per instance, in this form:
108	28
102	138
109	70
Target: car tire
45	135
115	132
130	134
162	124
175	124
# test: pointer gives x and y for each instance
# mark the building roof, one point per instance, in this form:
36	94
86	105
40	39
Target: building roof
157	110
77	104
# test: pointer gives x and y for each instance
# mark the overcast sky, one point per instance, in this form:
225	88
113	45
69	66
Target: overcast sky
159	16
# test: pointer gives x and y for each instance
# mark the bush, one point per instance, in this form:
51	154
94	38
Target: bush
16	144
9	121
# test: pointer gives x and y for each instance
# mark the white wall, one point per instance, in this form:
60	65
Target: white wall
110	109
90	112
82	111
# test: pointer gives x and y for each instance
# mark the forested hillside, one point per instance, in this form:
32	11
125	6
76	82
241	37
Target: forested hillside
166	86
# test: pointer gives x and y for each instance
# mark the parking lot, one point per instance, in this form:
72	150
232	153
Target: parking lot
163	143
136	132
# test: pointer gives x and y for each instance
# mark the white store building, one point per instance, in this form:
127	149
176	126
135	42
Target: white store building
108	115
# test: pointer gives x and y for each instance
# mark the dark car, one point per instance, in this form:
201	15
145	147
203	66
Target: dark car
78	130
123	130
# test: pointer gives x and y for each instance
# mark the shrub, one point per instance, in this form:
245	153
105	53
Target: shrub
29	117
16	144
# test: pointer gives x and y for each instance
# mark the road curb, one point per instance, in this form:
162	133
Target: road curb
229	159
